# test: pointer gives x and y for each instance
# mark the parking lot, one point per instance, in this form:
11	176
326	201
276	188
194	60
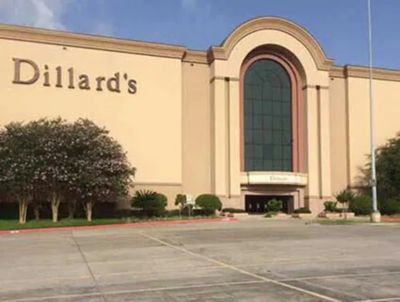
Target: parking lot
254	260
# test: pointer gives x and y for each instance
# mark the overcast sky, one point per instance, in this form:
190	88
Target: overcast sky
340	26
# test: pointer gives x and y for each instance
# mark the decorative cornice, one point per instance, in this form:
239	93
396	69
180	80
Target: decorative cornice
350	71
219	78
315	87
223	52
195	56
27	34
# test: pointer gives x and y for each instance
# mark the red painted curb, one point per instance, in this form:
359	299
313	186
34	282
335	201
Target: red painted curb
116	226
390	219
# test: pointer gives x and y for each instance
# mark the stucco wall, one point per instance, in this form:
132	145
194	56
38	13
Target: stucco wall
387	112
196	129
338	130
148	124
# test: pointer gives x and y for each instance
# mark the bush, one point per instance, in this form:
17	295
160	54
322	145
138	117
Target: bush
274	205
172	213
390	207
330	206
203	212
209	202
345	197
302	211
361	205
233	210
151	203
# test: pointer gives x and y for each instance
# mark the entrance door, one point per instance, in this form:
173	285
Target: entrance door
257	204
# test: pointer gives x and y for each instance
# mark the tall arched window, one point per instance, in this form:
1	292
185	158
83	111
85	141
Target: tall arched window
268	141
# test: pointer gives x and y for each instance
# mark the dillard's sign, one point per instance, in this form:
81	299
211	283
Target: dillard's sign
59	78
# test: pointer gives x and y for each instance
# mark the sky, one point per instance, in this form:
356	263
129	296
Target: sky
340	26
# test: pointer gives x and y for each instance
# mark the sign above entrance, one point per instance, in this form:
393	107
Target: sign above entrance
273	178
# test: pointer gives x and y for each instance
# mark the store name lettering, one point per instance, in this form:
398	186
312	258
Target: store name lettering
27	72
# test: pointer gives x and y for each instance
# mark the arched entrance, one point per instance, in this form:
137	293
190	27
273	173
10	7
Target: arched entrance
272	139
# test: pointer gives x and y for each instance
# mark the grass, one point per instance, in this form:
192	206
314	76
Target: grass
47	223
339	221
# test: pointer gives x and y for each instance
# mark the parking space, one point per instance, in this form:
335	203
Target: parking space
256	260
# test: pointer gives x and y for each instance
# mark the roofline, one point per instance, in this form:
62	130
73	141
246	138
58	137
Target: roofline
62	38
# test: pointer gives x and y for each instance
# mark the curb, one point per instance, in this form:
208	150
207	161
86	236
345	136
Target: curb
149	224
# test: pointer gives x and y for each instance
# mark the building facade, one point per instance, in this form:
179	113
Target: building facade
265	114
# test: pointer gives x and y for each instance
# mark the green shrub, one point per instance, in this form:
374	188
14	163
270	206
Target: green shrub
302	211
345	196
330	206
151	203
180	200
172	213
361	205
233	210
209	202
274	205
203	212
390	207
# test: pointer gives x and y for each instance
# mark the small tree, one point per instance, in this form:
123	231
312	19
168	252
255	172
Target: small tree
100	168
19	164
274	205
54	137
181	201
387	169
344	197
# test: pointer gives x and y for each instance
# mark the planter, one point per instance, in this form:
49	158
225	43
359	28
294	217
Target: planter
281	216
346	215
303	215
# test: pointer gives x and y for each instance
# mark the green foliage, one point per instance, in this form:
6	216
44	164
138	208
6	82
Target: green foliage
151	203
274	205
172	213
203	212
345	196
361	205
209	202
180	200
330	206
390	207
100	166
55	159
302	211
387	169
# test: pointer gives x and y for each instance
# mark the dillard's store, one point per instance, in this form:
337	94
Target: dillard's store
265	114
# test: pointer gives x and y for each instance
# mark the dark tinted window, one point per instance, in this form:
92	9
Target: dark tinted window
267	117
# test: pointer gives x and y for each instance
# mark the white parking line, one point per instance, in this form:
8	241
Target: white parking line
121	292
234	268
381	300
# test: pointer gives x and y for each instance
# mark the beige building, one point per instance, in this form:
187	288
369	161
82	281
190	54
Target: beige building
265	114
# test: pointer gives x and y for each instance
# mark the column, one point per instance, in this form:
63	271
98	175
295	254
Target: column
219	136
234	137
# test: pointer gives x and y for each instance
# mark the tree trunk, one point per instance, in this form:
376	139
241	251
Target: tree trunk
71	209
89	210
36	211
55	203
23	209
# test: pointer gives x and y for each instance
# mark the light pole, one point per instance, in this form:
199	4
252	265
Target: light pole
375	216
